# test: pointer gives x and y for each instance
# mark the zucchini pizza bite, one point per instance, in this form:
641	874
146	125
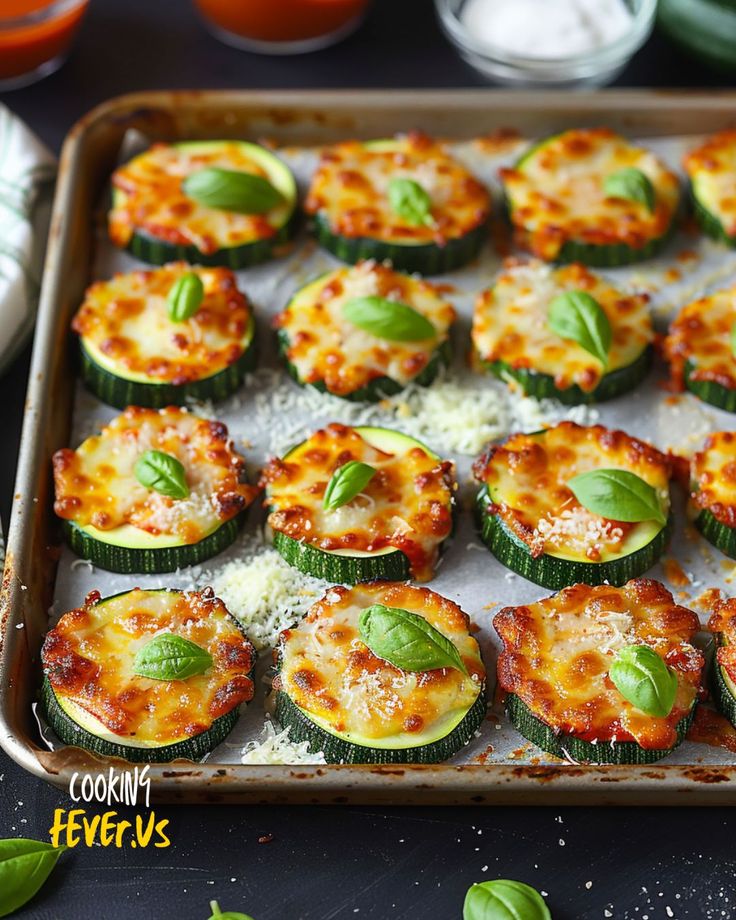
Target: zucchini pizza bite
155	490
562	332
157	338
147	675
588	195
713	496
723	624
712	171
404	199
701	349
601	674
210	202
574	504
365	332
355	504
381	673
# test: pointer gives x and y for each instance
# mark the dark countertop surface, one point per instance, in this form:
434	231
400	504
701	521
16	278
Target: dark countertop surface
334	863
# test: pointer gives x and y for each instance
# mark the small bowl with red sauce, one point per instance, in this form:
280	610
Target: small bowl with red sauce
35	37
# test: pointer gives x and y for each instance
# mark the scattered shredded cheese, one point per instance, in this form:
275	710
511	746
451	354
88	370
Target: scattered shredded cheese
274	747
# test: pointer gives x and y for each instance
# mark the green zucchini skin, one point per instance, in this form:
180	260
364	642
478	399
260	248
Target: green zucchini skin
343	570
719	535
710	391
378	388
569	747
554	573
337	750
194	748
121	393
542	386
158	252
423	259
722	697
136	561
709	223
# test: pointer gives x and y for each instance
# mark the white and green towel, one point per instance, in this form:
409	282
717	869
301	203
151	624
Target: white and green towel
27	171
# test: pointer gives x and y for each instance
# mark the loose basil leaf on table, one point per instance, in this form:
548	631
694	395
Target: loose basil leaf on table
578	316
162	473
644	679
231	190
170	657
218	914
407	640
24	867
185	297
632	184
504	899
410	201
346	482
388	319
619	495
733	340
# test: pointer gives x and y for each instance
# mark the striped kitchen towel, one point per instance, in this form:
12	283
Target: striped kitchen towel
27	172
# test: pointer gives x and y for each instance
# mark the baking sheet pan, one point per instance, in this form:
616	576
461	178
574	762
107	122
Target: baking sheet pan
497	766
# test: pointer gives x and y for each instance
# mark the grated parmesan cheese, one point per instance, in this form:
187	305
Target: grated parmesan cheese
275	747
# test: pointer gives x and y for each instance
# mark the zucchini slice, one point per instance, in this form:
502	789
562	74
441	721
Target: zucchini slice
561	212
92	697
530	520
133	353
712	171
512	338
157	222
119	524
354	219
722	624
323	349
700	351
393	529
355	707
555	664
713	493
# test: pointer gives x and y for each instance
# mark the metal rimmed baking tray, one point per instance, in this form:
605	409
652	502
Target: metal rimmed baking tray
290	119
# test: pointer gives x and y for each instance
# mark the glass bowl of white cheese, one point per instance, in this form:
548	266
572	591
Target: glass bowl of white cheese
548	43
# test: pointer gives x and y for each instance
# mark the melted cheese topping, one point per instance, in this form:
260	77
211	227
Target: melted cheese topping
723	622
712	171
329	672
96	487
527	479
558	652
89	657
148	196
350	190
714	477
325	347
510	324
125	327
701	336
407	505
556	193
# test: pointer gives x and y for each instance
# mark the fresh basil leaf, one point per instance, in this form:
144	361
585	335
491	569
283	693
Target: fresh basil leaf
231	190
170	657
633	184
504	899
24	867
410	201
185	297
643	678
407	640
217	914
388	319
619	495
346	482
733	340
578	316
162	473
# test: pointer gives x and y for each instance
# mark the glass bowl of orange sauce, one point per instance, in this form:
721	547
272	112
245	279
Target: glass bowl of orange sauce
281	26
35	37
